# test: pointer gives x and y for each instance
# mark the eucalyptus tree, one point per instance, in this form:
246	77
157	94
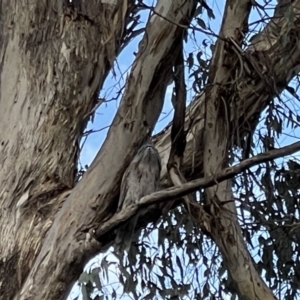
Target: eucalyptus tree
56	55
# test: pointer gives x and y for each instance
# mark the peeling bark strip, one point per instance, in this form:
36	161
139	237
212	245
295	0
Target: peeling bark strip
54	57
179	104
92	200
178	134
51	58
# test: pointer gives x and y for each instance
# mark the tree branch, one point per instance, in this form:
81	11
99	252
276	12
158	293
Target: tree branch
194	185
252	93
94	198
55	56
220	97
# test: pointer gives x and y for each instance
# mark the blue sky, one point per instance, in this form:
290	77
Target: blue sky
105	114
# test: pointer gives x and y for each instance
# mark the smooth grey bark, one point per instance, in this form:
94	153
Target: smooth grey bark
54	56
213	133
57	260
49	79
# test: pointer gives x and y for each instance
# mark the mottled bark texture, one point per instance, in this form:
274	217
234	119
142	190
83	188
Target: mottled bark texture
217	143
54	56
228	110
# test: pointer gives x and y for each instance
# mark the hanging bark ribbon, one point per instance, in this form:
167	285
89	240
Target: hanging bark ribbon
178	134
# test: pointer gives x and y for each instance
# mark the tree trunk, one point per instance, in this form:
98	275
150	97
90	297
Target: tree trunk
209	141
225	229
52	102
54	56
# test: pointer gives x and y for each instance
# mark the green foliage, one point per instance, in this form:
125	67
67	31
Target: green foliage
269	204
173	259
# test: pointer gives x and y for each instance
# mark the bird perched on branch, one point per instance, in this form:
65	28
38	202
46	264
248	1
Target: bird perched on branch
140	179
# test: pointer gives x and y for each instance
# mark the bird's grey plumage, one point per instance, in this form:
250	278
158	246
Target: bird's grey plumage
140	179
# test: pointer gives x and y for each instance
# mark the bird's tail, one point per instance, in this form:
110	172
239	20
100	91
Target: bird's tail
124	236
